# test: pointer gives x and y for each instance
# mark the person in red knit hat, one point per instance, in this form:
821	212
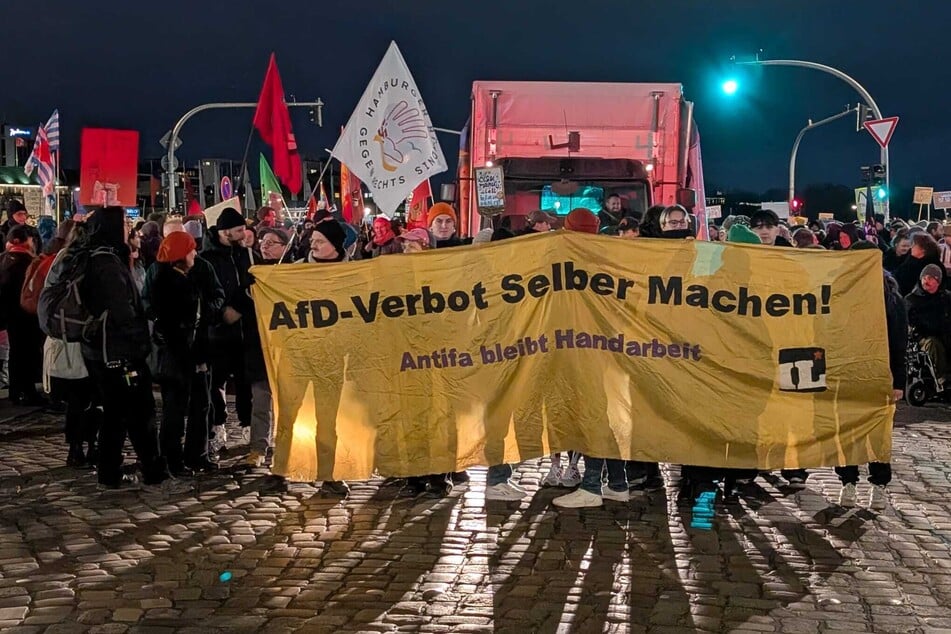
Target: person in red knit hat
180	355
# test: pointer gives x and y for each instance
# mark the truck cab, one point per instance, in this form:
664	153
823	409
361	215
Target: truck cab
565	145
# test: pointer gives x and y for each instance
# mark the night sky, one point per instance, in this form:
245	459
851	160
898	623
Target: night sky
141	65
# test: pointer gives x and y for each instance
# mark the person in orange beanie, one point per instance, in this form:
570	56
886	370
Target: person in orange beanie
180	355
177	247
442	220
581	219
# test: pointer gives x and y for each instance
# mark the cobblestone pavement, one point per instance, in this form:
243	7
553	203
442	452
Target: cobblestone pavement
74	560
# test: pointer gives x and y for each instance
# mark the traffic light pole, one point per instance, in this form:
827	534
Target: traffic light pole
795	147
835	72
173	137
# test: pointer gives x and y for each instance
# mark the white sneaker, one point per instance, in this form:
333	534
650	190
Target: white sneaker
553	479
219	441
847	496
878	497
616	496
246	435
571	476
578	499
504	491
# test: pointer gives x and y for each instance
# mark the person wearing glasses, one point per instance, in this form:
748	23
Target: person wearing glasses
273	245
675	223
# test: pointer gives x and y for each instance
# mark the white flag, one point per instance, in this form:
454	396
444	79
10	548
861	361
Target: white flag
389	142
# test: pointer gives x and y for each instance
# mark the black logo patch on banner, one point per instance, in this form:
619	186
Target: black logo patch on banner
802	370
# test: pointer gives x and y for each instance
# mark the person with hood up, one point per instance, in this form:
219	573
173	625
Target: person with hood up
384	239
151	234
223	249
23	327
116	355
181	356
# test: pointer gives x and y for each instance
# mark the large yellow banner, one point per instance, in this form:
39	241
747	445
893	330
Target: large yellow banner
674	351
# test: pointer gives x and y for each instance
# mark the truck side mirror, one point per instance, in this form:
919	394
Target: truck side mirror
687	197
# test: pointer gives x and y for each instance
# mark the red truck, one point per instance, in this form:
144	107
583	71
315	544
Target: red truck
564	145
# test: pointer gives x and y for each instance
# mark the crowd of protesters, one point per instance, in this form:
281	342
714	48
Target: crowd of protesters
170	305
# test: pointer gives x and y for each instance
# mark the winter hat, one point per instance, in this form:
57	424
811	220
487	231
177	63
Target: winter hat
417	235
582	220
175	247
932	270
229	219
334	233
194	229
742	234
14	206
441	209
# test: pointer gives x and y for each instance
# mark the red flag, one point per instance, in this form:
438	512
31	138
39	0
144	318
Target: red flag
273	121
311	207
418	205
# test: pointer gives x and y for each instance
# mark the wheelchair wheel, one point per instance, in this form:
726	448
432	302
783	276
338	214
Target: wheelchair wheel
917	394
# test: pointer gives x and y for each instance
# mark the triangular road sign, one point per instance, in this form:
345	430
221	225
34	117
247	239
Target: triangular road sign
882	129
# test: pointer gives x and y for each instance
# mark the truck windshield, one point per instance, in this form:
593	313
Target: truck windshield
634	198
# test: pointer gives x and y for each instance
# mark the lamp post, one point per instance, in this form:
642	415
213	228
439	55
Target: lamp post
173	136
795	148
835	72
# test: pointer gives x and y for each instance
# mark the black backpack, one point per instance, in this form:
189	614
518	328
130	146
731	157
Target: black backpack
61	311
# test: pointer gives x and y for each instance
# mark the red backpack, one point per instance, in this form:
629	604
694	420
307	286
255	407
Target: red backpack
34	281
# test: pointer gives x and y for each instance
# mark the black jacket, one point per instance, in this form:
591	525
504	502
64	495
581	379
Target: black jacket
910	270
231	266
929	314
108	286
176	303
896	319
13	268
454	241
891	260
204	278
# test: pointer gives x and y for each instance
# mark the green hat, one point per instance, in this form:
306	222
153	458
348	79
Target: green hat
742	233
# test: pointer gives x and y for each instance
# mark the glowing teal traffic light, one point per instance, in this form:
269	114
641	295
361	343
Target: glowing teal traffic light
881	193
730	86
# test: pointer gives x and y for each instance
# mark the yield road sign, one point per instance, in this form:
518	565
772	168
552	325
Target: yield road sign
165	139
882	129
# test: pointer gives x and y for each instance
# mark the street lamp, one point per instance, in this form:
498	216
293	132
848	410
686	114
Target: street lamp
835	72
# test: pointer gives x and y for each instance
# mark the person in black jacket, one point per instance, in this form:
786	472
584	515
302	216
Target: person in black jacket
116	354
222	248
23	328
880	473
929	315
182	354
924	251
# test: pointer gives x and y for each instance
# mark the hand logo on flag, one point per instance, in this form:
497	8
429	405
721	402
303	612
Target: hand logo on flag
399	128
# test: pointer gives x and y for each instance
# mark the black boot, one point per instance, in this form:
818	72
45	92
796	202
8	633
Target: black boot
76	458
